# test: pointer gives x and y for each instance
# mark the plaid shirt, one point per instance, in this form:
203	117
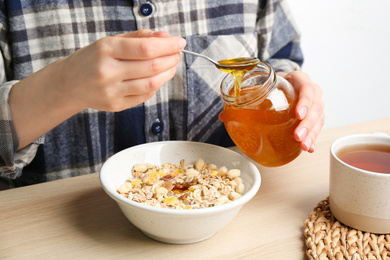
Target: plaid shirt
36	33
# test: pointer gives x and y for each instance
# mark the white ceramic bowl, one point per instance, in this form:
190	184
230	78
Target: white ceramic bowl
175	225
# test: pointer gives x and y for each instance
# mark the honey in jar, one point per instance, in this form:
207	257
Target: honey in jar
260	118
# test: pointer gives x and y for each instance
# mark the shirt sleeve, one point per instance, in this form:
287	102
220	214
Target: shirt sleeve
11	160
279	36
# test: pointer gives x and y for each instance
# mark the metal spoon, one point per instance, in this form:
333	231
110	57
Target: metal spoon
235	63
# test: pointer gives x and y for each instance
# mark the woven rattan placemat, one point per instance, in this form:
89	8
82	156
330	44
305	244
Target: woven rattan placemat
327	238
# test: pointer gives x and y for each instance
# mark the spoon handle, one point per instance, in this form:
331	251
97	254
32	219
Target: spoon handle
200	55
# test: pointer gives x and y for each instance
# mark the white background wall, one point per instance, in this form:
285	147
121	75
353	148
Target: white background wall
347	52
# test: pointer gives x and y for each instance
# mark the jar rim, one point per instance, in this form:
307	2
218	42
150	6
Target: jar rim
260	92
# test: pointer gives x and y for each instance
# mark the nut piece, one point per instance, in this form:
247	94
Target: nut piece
234	173
193	187
140	167
240	188
192	173
222	200
199	164
222	171
125	188
160	191
234	195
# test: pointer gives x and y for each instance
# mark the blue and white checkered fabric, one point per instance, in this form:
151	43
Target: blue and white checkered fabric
35	33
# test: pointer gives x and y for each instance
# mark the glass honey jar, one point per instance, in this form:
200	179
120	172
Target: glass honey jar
261	119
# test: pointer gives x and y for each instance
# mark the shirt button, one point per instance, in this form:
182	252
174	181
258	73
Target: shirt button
157	127
146	9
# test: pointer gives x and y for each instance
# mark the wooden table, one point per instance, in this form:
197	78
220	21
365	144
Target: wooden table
75	219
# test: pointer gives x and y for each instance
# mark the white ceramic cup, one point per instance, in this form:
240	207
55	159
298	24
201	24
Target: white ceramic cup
359	198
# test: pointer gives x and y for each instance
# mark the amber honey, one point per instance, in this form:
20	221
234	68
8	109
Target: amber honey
246	64
261	118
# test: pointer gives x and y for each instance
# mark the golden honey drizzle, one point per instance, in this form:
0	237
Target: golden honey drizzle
243	65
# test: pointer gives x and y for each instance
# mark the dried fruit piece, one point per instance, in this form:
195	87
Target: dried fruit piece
170	200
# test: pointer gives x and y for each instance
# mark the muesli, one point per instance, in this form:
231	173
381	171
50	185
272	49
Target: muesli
181	186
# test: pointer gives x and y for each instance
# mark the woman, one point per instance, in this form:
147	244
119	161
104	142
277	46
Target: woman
82	80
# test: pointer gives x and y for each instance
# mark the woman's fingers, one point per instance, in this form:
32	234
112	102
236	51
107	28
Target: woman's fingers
309	109
129	69
138	90
308	142
143	33
308	130
141	86
125	48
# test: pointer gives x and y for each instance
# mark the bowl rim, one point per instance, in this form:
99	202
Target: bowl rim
246	197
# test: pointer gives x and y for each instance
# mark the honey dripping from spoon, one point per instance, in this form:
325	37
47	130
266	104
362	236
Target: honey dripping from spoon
238	67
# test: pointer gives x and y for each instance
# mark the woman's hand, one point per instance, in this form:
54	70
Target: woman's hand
116	73
111	74
310	109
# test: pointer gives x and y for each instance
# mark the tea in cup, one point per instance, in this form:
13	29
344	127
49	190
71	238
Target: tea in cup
359	182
